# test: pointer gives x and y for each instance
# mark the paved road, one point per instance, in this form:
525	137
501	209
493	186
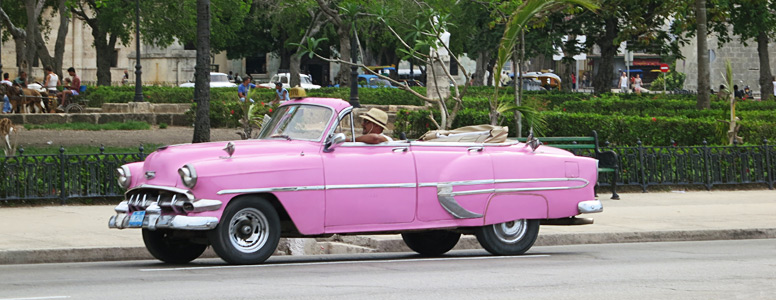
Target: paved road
743	269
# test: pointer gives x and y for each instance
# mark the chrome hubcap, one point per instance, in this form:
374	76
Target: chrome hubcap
510	232
248	231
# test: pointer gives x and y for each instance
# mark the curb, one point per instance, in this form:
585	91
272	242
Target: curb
362	244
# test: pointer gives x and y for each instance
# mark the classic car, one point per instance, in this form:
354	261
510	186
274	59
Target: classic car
305	81
217	80
302	177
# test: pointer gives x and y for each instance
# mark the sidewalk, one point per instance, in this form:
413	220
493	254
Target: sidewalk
80	233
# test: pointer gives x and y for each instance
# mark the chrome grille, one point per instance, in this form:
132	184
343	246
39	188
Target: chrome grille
141	199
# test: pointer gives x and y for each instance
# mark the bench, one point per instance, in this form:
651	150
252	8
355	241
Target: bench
607	160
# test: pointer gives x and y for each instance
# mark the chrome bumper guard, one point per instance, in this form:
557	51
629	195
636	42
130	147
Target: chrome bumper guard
154	219
590	206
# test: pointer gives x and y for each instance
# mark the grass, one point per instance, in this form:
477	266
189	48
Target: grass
130	125
51	150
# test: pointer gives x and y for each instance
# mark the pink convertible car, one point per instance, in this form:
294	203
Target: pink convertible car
302	178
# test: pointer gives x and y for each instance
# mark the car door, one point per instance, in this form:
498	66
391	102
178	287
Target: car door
455	180
369	185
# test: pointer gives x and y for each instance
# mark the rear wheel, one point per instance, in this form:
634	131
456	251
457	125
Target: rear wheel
508	238
431	243
164	247
248	233
74	108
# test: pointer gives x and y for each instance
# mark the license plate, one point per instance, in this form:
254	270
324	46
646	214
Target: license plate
136	219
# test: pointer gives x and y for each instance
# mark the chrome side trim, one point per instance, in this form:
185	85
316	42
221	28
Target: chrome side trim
590	206
317	188
371	186
393	144
490	181
459	144
447	200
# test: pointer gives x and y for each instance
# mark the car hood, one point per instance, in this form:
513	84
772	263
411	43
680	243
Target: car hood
165	161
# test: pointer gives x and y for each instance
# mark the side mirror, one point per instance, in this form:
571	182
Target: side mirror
334	141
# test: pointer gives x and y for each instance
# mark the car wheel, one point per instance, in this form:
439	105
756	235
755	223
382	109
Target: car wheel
431	243
508	238
248	233
172	251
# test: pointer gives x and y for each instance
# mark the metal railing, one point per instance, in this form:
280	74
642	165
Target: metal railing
63	176
706	166
67	176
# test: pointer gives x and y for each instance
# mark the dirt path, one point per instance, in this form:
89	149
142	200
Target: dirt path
118	138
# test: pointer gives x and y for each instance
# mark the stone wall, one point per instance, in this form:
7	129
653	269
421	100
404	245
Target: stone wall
102	118
743	59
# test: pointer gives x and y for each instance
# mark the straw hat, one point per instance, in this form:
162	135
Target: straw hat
376	116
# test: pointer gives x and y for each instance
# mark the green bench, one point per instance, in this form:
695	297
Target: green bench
607	160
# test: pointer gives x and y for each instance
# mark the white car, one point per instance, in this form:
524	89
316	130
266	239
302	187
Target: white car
217	80
305	80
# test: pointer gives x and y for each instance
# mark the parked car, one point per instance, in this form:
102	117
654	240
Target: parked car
216	80
373	82
306	82
302	178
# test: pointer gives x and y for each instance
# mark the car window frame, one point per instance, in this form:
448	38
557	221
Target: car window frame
327	128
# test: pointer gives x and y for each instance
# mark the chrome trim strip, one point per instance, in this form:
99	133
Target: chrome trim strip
490	181
206	205
455	183
317	188
460	144
393	144
590	206
371	186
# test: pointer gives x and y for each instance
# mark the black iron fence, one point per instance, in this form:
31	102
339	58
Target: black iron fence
66	176
707	166
62	176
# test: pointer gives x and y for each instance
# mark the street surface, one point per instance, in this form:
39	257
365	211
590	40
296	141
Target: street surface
740	269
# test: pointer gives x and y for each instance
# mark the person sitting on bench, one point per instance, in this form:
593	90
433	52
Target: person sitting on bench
71	90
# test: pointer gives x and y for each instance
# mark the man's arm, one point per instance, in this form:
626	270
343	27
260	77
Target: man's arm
372	138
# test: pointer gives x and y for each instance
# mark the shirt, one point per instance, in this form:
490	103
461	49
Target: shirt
282	94
243	89
6	82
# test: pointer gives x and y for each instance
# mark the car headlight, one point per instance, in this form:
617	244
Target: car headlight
188	175
124	176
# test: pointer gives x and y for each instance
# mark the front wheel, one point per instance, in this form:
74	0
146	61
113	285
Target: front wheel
431	243
248	233
508	238
164	247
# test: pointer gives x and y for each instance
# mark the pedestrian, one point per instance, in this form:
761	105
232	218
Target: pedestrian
244	88
774	85
229	76
738	94
71	90
623	84
237	78
573	81
125	78
281	94
6	85
21	80
51	83
637	84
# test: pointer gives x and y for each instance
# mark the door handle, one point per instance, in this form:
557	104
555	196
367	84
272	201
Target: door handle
476	148
399	149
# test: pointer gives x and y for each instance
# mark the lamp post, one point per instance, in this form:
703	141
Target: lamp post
138	80
354	70
1	48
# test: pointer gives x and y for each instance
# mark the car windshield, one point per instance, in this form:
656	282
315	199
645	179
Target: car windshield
297	122
218	78
305	79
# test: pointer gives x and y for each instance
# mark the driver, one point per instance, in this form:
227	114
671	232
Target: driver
374	122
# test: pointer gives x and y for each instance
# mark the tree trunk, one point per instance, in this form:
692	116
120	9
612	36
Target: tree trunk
295	69
202	74
59	45
478	78
704	102
602	83
33	12
104	50
491	64
766	77
343	76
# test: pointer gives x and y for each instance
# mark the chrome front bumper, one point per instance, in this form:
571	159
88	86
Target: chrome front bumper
154	219
590	206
